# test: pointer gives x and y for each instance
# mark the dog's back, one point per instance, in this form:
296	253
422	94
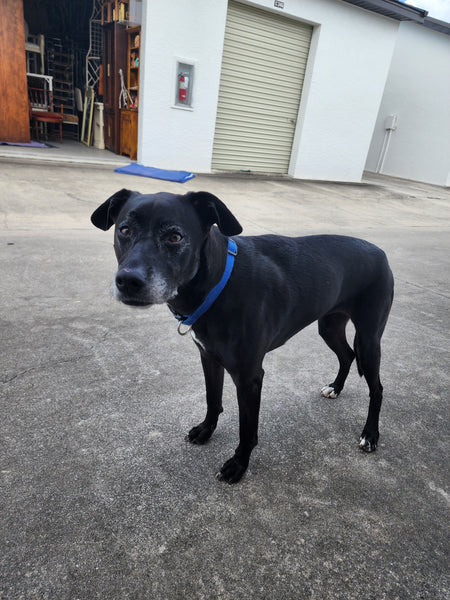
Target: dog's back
298	280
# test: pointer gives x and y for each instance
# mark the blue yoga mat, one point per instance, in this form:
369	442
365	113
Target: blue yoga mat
137	169
31	144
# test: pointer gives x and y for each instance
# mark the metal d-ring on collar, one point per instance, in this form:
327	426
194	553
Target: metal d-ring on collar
189	320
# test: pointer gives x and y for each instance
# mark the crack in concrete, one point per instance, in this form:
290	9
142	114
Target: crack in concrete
54	363
422	287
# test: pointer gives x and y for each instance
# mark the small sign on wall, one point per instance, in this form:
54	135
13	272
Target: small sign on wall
278	4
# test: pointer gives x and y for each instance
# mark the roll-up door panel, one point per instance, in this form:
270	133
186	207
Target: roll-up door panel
263	68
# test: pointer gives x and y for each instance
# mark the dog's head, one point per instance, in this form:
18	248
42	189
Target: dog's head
158	240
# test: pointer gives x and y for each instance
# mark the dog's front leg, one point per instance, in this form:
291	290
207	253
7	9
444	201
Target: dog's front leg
249	400
213	372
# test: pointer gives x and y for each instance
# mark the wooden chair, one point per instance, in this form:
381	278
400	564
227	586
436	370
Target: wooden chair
41	110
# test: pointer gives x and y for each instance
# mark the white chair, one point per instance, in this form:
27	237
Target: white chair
34	45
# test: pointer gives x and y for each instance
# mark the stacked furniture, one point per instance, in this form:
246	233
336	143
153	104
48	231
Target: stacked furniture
60	62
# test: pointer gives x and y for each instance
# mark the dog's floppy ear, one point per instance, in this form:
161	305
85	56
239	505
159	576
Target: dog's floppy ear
212	210
106	214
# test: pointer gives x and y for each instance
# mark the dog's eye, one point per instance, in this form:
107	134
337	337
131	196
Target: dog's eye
125	230
175	237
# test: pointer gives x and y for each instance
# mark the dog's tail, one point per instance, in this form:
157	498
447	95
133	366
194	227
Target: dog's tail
358	343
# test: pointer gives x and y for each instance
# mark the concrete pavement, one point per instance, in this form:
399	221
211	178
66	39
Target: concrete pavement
101	498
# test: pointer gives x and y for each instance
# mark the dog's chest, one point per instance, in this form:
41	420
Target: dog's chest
198	341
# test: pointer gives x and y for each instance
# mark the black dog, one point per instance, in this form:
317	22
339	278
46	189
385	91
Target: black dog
169	251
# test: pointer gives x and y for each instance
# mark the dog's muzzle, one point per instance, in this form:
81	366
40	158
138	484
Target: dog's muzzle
130	287
135	288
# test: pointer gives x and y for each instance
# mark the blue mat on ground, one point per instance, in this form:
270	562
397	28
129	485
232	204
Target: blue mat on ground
137	169
31	144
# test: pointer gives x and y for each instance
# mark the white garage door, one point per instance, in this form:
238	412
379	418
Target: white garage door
263	68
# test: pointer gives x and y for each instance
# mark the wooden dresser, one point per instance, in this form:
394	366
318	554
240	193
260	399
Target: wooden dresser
129	115
115	42
128	132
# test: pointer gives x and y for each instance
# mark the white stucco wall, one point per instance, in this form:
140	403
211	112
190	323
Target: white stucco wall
184	30
349	61
418	92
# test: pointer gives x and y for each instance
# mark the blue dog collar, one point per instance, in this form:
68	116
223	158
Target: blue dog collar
213	294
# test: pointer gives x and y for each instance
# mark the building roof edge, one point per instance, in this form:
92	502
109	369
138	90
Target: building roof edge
394	9
437	25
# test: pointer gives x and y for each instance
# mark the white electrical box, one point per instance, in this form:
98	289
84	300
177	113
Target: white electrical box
391	122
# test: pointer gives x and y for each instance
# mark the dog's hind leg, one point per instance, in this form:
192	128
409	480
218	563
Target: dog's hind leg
369	356
370	320
332	331
214	373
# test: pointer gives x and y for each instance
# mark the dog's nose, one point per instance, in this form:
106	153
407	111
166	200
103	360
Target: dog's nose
129	282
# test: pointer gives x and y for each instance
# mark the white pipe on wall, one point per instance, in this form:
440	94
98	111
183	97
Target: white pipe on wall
390	125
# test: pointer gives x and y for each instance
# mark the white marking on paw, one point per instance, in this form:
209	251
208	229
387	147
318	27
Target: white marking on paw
328	392
366	445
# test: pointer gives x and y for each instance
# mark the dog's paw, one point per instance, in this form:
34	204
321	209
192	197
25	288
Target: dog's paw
328	391
368	443
200	434
232	471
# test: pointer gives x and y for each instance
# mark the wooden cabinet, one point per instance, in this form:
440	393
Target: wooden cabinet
133	59
115	44
14	114
128	132
129	115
